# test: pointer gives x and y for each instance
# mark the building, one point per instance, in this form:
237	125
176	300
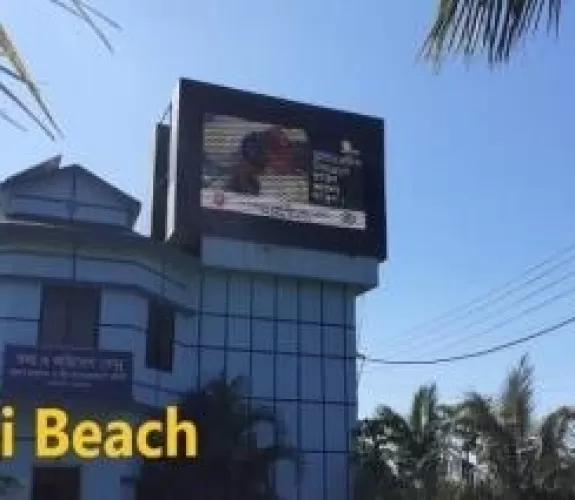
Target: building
75	275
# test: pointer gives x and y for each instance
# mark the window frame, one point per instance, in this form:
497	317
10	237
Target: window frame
69	291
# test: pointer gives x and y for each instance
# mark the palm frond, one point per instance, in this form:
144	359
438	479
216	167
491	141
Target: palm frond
423	408
391	425
5	116
554	432
11	74
494	26
88	8
85	15
103	17
479	416
14	98
10	52
17	70
517	400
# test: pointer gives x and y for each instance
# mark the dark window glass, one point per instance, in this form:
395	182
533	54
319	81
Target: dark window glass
160	340
70	317
62	483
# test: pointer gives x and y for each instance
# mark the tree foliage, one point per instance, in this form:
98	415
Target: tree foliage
17	83
495	28
469	27
514	458
397	454
232	464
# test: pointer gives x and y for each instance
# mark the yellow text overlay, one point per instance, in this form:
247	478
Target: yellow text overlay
88	439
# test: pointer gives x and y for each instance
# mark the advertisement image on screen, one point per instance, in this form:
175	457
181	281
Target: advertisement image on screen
282	173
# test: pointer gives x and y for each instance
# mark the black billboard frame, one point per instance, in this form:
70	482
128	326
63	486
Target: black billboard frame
192	100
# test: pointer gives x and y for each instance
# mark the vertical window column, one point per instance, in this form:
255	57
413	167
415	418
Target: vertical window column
160	336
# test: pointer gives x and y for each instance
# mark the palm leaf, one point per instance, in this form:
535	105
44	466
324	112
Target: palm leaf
84	14
14	98
11	74
391	426
478	415
102	16
88	8
10	52
494	26
19	72
423	408
554	432
5	116
517	400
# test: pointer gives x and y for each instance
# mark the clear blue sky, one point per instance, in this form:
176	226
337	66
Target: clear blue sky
481	165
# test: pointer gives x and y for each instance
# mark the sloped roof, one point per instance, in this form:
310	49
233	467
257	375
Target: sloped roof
45	168
52	167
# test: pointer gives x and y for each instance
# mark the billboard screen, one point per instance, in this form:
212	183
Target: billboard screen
269	170
240	165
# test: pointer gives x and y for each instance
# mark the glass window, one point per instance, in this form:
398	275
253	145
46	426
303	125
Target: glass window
160	339
70	316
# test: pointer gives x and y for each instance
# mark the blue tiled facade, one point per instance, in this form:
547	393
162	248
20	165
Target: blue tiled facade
292	336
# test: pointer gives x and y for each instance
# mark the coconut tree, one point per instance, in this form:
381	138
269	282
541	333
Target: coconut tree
17	83
375	475
525	460
411	447
493	27
231	463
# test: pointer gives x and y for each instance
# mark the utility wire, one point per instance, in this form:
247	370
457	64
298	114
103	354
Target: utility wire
474	354
523	313
493	296
488	294
498	312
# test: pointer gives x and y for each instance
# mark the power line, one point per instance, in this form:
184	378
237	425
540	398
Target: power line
495	295
505	308
524	312
485	295
475	354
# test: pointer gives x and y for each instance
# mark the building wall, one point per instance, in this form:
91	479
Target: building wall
293	339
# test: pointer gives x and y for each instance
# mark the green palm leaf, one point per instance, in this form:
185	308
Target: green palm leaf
496	27
517	400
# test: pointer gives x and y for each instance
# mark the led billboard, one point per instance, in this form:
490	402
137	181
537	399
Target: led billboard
267	170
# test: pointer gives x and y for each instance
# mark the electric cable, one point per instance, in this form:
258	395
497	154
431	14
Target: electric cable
485	300
493	314
520	315
474	354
